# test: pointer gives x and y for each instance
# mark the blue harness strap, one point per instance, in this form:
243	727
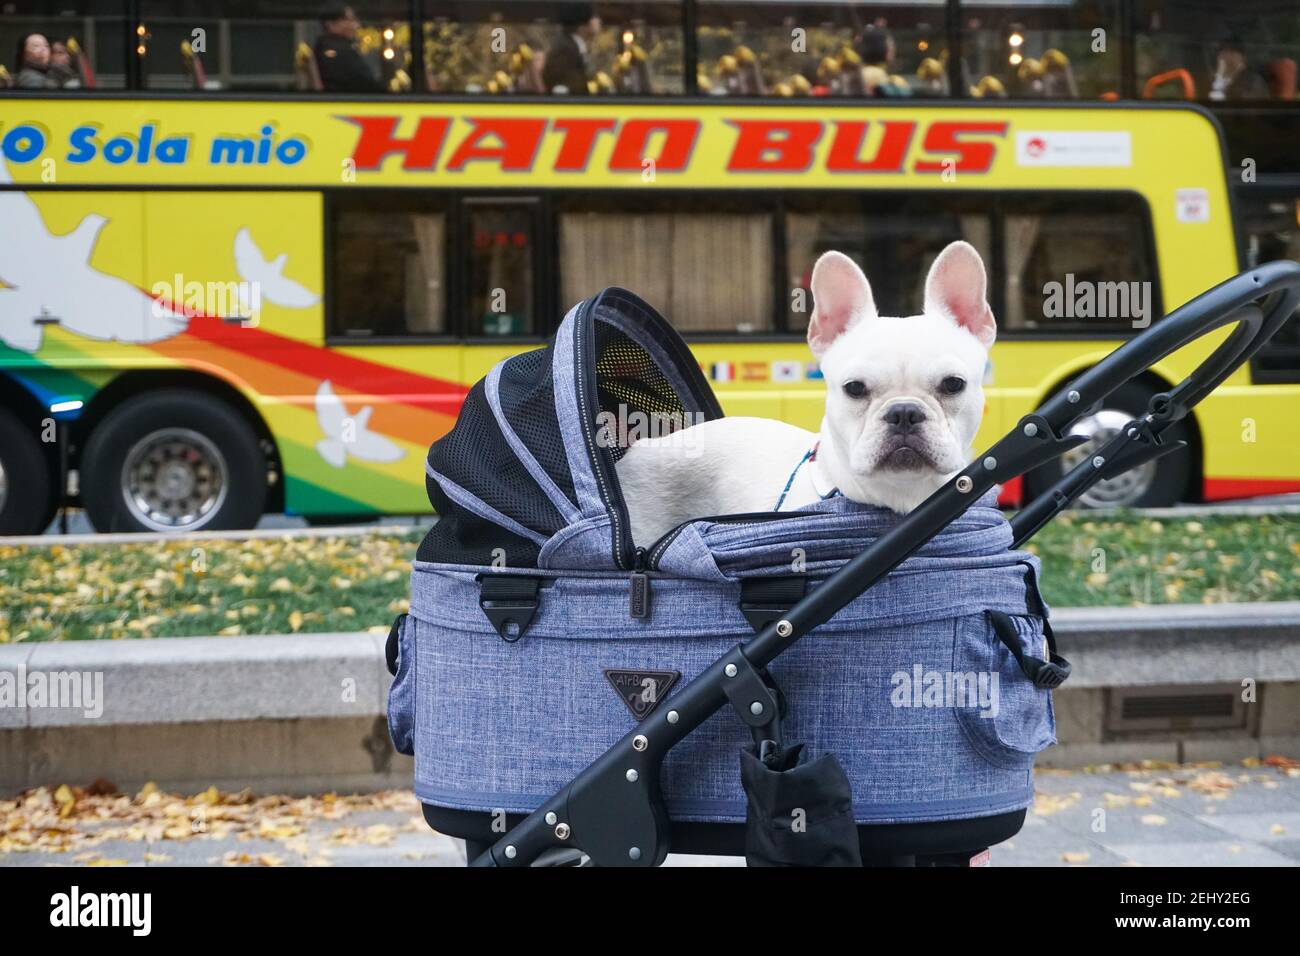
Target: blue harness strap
809	455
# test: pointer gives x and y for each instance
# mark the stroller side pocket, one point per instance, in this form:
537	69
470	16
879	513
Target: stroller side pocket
400	653
1006	718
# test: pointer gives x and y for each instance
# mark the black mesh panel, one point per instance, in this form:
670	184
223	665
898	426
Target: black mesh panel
476	456
460	537
528	403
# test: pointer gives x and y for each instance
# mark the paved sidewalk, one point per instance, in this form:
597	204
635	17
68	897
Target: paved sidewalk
1202	815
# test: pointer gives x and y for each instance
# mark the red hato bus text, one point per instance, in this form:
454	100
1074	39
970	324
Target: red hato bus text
760	146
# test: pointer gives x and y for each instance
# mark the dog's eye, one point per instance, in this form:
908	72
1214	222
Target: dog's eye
952	385
854	389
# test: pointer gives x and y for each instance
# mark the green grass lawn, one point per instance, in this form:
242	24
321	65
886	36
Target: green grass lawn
1130	561
287	584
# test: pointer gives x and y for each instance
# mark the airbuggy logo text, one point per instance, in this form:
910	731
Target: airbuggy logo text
621	429
922	688
83	690
103	909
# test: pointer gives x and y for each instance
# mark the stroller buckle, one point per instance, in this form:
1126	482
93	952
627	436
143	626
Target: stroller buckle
1048	675
510	603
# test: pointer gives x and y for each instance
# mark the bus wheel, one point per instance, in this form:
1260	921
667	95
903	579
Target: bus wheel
1155	484
27	499
173	460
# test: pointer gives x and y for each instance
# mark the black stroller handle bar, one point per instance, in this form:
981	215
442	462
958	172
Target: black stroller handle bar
613	810
1258	302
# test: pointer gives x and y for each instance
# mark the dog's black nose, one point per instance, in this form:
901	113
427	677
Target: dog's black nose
903	417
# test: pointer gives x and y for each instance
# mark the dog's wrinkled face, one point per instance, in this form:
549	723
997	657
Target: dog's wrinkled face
904	394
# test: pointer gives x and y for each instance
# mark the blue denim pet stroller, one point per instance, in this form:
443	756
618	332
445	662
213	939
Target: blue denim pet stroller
562	686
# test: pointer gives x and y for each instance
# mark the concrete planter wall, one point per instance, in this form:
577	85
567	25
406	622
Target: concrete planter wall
303	713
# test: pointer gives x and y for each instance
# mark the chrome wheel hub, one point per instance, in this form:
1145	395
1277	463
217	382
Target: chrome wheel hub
1122	491
174	479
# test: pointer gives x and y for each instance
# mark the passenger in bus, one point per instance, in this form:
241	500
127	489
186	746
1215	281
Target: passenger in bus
32	64
567	69
876	48
1234	78
876	51
342	68
1058	76
61	68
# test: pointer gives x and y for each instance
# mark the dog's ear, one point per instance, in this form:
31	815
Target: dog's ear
957	288
841	296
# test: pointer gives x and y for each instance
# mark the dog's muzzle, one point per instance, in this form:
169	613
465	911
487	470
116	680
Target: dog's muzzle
904	448
903	418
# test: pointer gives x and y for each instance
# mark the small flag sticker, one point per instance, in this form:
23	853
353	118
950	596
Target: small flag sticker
722	372
787	372
753	371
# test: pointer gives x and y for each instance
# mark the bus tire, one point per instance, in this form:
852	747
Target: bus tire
173	460
27	498
1158	484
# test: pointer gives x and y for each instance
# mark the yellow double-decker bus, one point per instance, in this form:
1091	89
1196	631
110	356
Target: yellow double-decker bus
210	310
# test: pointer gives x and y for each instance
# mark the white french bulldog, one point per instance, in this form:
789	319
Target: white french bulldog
904	400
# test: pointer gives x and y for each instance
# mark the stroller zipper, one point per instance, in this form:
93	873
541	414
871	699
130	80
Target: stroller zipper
659	547
639	590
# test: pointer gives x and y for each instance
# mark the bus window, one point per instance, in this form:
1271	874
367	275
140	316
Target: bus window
1048	51
1081	265
501	242
83	48
709	270
1198	49
241	45
631	47
387	267
1271	227
749	48
894	239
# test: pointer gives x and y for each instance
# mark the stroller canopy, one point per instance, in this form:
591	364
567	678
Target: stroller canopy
527	473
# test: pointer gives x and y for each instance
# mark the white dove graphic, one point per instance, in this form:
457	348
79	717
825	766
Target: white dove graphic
266	279
48	279
349	435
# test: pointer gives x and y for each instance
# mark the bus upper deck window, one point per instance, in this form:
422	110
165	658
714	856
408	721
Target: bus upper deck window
748	48
235	45
67	47
1047	51
573	48
1197	49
